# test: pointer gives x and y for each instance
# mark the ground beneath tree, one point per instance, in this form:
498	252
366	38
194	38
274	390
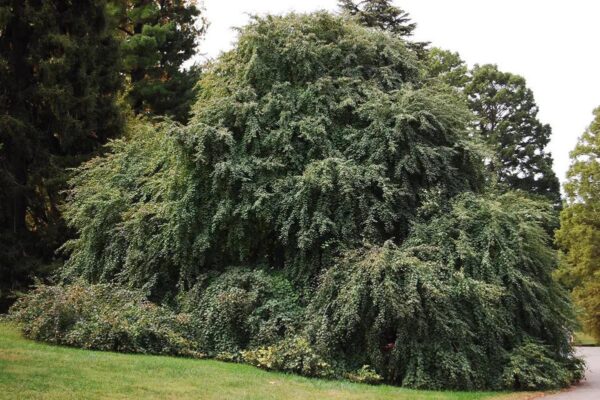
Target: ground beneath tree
36	371
588	389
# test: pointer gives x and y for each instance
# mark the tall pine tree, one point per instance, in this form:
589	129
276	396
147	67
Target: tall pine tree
59	78
506	118
157	37
380	14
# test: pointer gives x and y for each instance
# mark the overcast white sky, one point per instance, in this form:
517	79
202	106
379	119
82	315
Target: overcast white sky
554	44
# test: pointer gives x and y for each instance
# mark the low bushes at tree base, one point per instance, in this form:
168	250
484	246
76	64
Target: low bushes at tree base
533	366
242	308
103	317
107	317
292	355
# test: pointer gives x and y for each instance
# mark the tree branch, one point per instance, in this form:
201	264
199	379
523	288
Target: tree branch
125	30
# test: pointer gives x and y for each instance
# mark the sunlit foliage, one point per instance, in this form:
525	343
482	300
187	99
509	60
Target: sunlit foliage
579	234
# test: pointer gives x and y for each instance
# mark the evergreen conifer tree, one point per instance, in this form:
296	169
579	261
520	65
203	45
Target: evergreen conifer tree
59	77
506	118
157	38
384	15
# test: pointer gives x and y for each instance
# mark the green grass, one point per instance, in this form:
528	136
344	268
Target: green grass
30	370
583	339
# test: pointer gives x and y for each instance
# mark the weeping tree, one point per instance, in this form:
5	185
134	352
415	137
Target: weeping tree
317	155
311	136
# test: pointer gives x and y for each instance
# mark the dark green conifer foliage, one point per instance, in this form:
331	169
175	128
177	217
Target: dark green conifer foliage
58	81
506	117
310	137
382	14
157	37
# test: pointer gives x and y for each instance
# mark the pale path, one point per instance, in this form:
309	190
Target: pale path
588	389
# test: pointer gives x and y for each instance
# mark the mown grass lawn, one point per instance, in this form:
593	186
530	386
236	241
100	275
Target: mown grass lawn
30	370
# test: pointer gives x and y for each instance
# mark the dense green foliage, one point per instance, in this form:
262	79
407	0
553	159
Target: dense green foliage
466	302
446	67
449	307
385	16
324	213
579	233
157	37
305	142
507	119
241	308
59	76
103	317
534	366
142	246
63	65
365	374
294	354
504	109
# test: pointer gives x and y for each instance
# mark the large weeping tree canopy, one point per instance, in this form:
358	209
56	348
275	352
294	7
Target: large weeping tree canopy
317	156
313	135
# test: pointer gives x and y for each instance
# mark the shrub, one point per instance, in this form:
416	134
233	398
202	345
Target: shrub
242	308
290	355
103	317
228	357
